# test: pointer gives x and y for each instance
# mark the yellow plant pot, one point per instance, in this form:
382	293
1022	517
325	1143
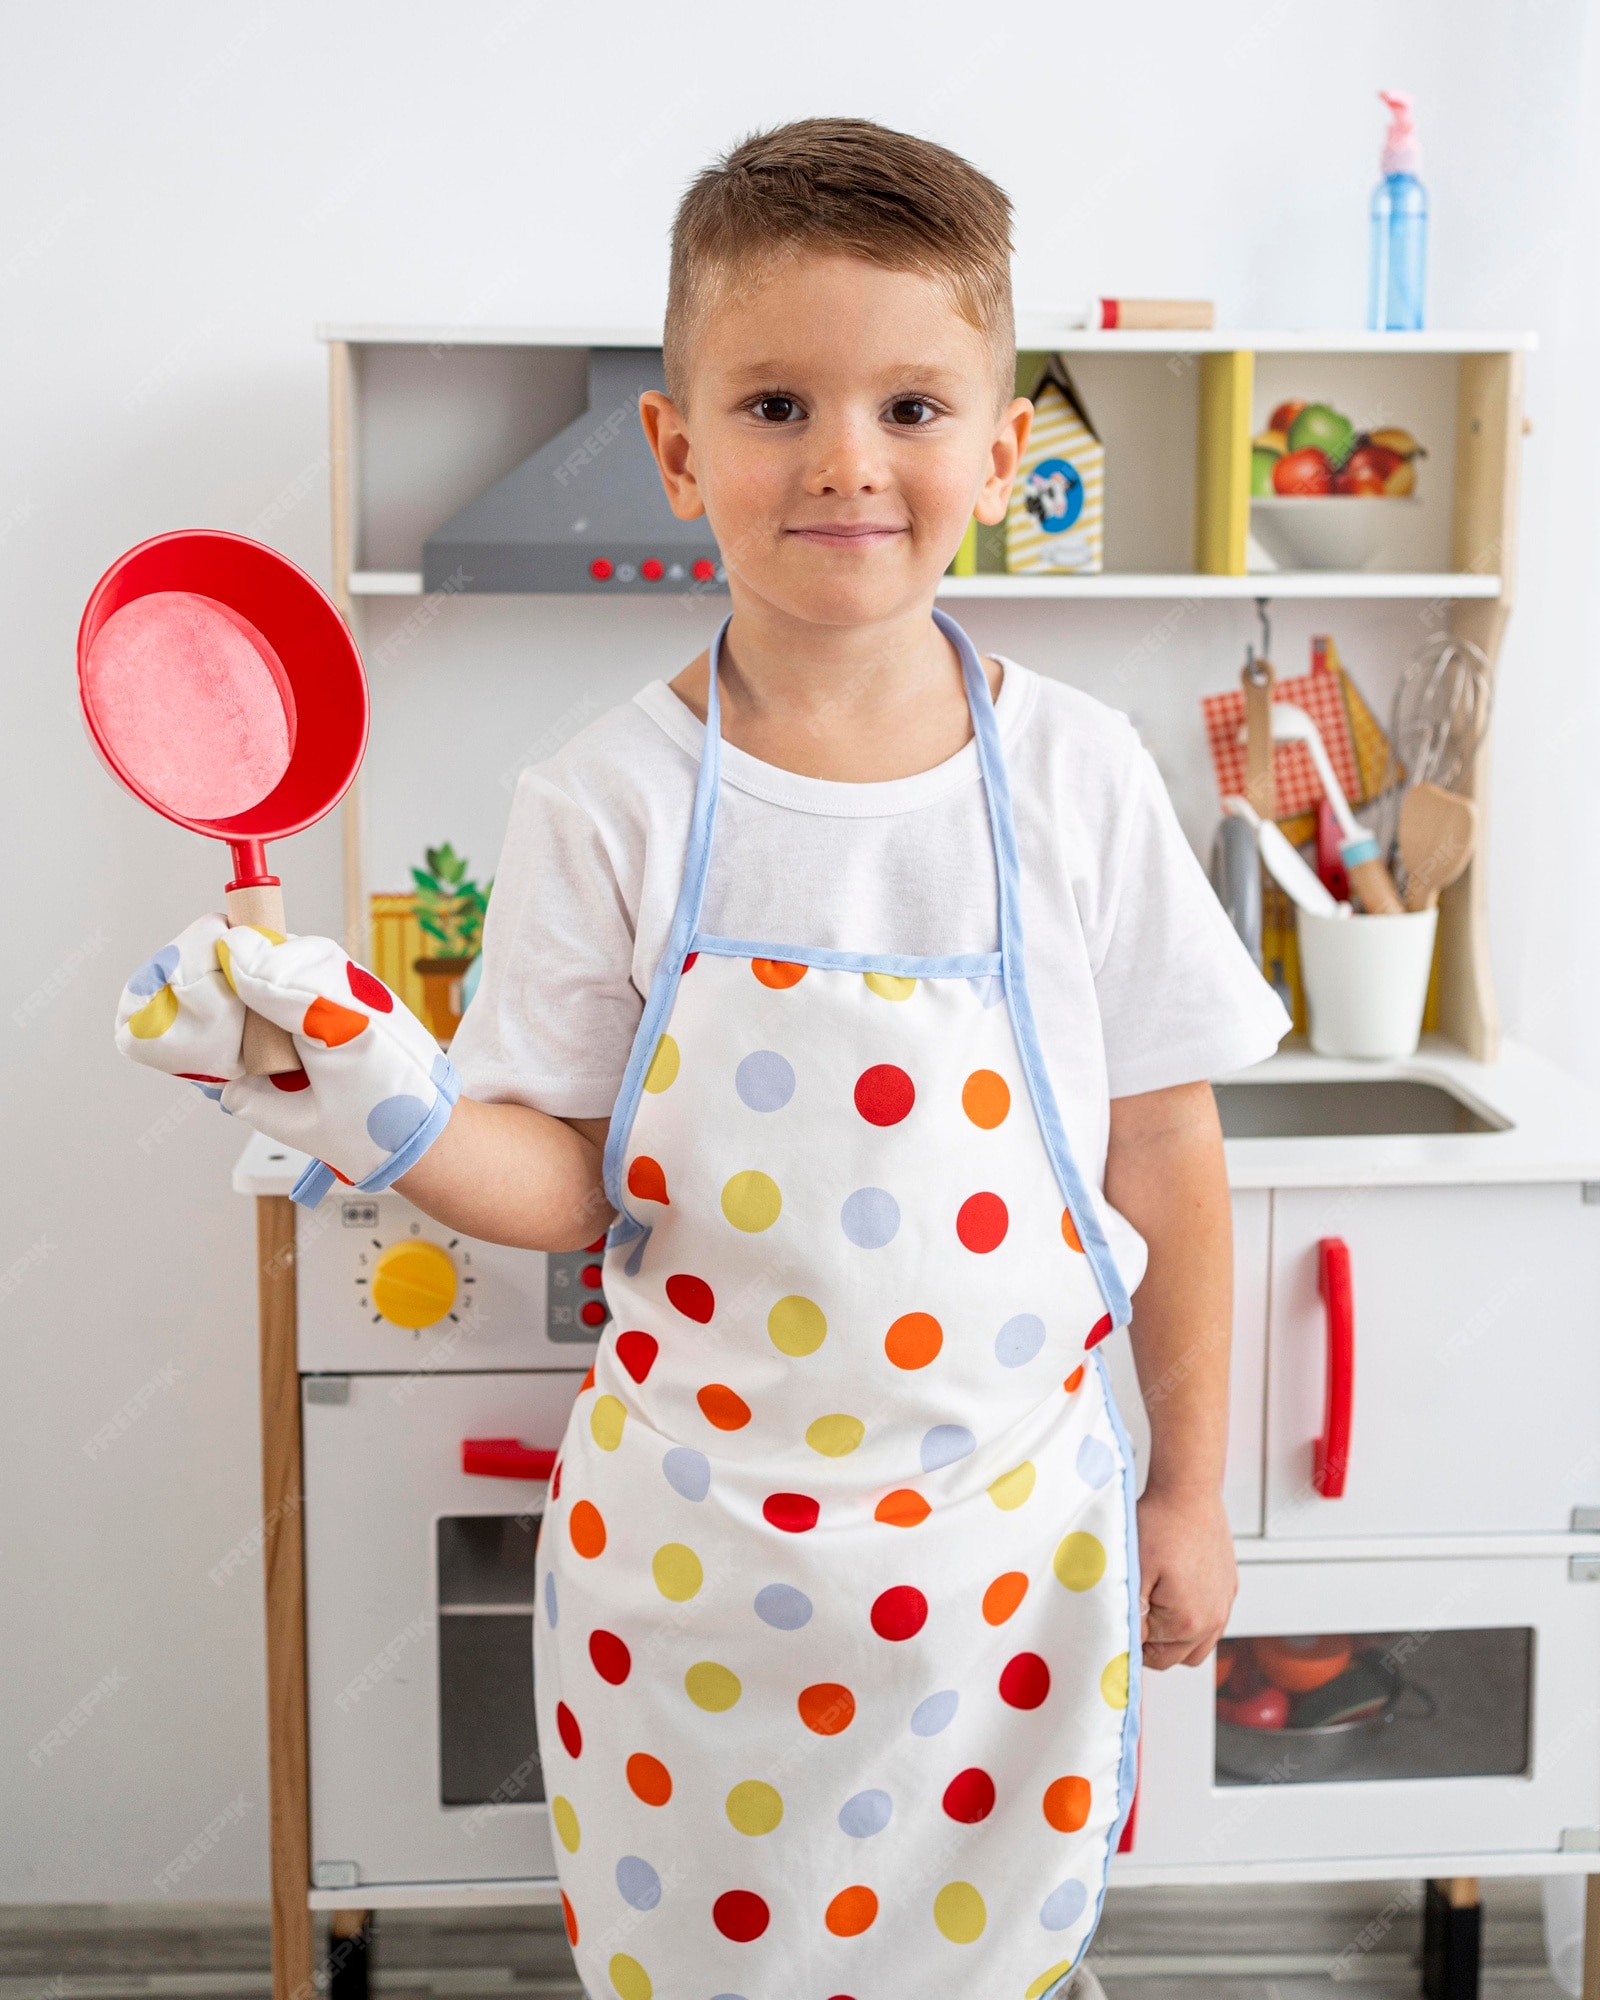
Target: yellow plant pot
441	994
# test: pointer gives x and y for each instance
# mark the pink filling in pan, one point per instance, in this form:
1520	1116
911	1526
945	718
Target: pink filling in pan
192	702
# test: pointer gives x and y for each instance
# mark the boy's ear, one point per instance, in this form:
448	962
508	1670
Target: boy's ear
669	440
1005	455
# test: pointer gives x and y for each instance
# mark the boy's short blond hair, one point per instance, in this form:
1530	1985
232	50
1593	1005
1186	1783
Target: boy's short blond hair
848	187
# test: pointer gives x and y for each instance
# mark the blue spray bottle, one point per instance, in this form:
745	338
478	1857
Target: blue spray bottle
1399	226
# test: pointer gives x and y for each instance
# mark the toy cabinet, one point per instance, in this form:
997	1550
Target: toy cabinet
1460	1559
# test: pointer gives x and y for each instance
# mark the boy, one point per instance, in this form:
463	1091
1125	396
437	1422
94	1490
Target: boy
839	1610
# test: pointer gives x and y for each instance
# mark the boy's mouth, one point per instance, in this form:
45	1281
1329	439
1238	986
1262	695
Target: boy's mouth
855	535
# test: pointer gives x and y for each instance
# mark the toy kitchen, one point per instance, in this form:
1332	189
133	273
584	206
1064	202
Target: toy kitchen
1407	1687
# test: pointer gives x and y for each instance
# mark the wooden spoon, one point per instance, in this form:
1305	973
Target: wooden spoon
1438	831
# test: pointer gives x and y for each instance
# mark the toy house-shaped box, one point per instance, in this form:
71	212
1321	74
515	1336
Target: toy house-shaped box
1056	520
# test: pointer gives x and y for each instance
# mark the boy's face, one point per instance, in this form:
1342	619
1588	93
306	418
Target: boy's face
841	431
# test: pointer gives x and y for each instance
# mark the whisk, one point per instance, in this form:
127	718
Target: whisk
1440	714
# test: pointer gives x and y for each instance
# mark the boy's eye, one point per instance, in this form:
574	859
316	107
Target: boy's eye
911	411
777	409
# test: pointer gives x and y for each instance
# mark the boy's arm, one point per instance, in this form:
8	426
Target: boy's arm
511	1175
1165	1172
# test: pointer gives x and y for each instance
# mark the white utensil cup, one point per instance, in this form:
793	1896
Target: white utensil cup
1366	981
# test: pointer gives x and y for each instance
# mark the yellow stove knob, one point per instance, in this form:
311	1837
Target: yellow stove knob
413	1283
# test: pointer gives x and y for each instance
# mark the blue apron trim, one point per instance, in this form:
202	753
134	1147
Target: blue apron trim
685	922
970	965
1128	1772
1074	1189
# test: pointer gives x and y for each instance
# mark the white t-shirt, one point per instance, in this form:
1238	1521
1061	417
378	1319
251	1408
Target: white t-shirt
1137	979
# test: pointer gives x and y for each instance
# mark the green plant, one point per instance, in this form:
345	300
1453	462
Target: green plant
450	906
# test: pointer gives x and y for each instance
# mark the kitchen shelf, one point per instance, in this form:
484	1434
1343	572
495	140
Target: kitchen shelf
1423	584
429	419
1034	331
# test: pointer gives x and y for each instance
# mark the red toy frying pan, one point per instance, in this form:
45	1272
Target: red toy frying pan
222	687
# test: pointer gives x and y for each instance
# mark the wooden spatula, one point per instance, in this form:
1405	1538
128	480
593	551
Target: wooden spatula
1438	831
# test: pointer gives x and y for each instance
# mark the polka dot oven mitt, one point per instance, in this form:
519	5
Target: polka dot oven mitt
376	1089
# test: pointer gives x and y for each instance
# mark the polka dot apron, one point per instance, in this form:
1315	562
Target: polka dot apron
837	1637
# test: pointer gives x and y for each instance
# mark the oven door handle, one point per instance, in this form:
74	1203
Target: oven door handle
504	1458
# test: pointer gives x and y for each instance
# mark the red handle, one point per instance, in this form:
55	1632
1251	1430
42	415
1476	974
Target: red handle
504	1458
1331	1452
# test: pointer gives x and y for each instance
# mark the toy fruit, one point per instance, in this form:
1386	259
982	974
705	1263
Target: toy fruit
1265	451
1401	443
1267	1710
1364	479
1282	418
1302	472
1299	1665
1401	478
1322	428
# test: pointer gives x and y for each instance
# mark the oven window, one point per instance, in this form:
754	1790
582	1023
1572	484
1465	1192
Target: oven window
1339	1707
488	1748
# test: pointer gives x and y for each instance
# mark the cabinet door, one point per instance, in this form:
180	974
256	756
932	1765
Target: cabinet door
1247	1381
419	1609
1252	1224
1483	1738
1476	1398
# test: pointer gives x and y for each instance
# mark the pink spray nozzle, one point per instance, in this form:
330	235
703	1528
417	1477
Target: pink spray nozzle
1402	150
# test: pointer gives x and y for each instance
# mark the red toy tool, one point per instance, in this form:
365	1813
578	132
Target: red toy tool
222	687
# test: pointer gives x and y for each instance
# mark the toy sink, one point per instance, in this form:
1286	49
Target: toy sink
1347	1107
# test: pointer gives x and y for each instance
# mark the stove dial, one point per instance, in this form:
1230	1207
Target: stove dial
413	1284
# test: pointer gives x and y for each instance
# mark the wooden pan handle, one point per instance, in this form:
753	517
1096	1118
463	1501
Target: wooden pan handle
268	1049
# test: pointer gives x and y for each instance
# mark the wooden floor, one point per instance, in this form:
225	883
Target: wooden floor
1154	1944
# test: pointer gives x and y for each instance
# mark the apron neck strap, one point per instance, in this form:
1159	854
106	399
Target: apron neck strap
703	819
996	788
991	763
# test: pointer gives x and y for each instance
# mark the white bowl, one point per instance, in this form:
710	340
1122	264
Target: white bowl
1325	530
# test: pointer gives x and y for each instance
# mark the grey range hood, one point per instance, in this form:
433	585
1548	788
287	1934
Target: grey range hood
586	512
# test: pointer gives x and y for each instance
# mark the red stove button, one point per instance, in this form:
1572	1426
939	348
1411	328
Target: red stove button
704	571
592	1313
651	570
600	570
591	1277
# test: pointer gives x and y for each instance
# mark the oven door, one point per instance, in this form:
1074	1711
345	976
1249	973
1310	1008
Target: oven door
1388	1710
419	1628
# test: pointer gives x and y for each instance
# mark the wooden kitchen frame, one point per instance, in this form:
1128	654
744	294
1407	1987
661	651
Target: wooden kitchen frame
1473	590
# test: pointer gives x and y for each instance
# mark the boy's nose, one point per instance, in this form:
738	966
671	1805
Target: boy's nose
846	459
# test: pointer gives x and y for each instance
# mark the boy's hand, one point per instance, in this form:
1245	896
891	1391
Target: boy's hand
1188	1578
375	1090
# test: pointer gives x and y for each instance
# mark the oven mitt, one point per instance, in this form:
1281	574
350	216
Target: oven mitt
376	1089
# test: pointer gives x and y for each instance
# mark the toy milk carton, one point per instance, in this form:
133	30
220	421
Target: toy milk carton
1056	519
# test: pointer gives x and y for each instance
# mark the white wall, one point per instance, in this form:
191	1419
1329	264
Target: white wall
185	190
